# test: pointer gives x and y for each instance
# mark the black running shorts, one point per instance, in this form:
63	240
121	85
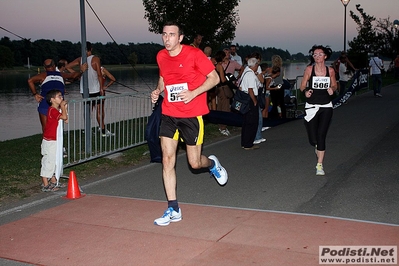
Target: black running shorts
189	130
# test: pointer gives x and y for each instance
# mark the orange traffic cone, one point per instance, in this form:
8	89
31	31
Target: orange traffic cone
73	187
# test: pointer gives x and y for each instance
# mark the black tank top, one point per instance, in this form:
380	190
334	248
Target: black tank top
319	85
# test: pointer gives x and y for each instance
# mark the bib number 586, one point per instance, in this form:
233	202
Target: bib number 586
320	85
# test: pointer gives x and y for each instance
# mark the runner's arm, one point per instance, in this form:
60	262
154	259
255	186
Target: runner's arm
158	90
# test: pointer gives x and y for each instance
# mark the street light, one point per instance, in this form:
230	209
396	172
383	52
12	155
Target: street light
345	3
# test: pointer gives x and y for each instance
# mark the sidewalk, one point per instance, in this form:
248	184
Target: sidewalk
273	211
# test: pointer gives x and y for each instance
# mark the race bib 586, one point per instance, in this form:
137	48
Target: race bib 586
321	83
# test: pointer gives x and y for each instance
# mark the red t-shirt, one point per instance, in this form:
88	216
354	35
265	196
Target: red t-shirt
187	70
50	130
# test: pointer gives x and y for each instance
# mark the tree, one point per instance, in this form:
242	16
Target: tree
6	57
216	20
387	37
132	59
366	40
373	36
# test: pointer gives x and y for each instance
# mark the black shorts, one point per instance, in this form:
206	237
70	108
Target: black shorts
190	130
94	95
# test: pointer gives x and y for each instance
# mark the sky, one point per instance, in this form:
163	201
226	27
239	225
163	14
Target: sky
293	25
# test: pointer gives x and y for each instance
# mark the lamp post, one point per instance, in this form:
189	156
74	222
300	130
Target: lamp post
345	3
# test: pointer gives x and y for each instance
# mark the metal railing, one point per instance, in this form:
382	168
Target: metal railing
125	117
298	93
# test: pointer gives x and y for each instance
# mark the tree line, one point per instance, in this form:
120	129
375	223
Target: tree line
16	52
217	24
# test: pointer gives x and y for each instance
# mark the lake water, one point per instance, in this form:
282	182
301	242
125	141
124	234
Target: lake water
18	109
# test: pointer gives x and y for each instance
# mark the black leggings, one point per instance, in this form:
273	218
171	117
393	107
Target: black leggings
317	127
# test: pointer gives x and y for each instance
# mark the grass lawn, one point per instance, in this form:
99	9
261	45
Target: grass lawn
21	163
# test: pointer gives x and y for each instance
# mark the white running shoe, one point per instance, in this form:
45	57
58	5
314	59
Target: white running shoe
265	128
258	141
106	133
319	169
224	132
218	171
170	215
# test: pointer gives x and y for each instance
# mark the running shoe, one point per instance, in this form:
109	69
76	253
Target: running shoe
218	171
106	133
319	169
265	128
254	147
170	215
258	141
224	132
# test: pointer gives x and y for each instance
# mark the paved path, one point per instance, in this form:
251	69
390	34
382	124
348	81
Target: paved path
273	211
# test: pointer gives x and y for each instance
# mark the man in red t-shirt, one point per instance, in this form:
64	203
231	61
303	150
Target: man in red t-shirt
185	75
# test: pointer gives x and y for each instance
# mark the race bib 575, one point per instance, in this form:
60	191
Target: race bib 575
174	90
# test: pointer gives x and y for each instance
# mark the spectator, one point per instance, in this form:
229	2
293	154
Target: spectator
223	96
260	82
49	80
336	65
95	83
61	67
343	75
230	66
106	75
51	138
223	91
235	57
197	41
376	65
249	85
270	85
211	92
277	61
277	96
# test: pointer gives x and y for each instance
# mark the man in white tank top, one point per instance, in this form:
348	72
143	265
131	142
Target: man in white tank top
94	83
